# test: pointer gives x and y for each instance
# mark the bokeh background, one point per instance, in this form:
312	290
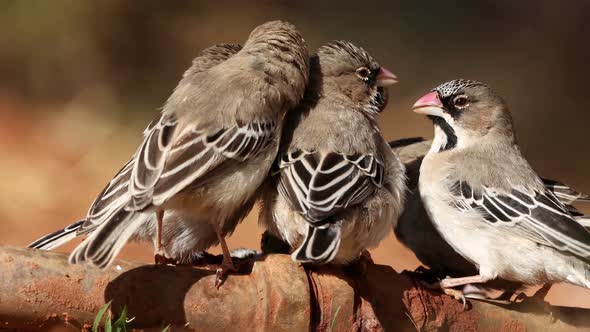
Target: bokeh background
80	80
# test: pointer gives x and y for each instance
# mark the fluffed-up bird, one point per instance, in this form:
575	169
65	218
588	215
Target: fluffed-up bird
337	186
416	231
487	202
198	171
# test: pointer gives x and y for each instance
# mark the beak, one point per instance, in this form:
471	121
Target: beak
385	77
429	104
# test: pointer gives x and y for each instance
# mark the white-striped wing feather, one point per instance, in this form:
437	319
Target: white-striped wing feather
163	169
539	216
319	185
564	193
113	197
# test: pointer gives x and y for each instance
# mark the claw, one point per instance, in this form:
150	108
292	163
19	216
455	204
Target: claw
219	277
457	294
222	272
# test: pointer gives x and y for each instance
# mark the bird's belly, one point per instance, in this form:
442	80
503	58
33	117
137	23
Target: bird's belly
494	252
462	232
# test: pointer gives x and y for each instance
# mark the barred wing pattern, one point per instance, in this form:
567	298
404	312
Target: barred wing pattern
319	185
539	216
564	193
113	197
162	169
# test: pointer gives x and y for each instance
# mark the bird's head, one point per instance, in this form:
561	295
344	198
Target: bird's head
465	111
350	70
278	50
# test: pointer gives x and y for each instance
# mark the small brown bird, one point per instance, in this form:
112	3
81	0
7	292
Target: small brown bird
198	171
485	199
338	186
416	231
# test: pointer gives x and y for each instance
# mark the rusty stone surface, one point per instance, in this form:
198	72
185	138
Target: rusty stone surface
41	291
334	300
432	312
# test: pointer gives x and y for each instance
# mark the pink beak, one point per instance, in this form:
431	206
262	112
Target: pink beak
385	77
429	104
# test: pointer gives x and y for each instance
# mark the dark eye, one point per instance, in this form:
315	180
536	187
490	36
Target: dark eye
461	101
363	73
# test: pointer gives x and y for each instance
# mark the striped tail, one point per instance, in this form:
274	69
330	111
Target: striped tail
321	244
105	242
57	238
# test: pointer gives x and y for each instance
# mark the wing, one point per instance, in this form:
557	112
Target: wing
538	216
116	194
319	185
113	197
162	169
564	193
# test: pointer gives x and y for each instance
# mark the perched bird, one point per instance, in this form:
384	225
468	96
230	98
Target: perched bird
486	201
337	186
416	231
198	171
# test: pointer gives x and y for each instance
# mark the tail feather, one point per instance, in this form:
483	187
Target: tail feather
105	243
321	244
565	193
57	238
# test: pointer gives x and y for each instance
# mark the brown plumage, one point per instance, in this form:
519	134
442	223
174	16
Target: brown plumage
204	157
338	187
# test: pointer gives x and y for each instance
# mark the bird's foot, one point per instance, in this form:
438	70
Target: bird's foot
455	293
241	262
223	271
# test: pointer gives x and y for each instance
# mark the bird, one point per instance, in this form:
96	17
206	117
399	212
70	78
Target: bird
485	199
416	231
198	170
336	186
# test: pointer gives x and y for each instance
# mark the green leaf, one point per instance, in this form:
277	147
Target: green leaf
108	327
166	329
121	323
99	316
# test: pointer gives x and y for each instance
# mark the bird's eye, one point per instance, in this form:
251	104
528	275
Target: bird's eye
461	101
363	73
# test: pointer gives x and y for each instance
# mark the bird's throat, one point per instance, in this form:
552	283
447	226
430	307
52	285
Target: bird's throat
445	137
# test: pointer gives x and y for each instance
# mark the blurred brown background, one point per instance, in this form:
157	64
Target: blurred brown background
80	80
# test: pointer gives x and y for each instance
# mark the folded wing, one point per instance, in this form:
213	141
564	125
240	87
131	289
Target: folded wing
538	216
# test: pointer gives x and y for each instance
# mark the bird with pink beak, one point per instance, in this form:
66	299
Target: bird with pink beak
338	187
485	199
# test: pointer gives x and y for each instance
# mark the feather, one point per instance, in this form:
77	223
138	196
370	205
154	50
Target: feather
320	185
540	216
